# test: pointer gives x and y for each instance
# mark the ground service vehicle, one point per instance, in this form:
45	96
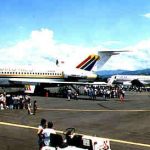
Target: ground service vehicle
74	141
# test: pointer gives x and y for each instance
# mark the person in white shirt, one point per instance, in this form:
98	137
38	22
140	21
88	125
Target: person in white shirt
47	132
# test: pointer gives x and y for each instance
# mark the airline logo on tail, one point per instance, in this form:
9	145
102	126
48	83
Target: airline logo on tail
88	63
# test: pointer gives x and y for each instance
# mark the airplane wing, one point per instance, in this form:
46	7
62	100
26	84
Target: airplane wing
50	81
30	84
36	81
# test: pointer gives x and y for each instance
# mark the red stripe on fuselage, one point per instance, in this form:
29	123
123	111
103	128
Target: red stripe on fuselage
83	62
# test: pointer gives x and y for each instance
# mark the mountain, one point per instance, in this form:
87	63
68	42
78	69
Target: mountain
108	73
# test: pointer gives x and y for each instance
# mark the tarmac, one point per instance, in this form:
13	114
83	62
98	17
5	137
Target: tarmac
126	124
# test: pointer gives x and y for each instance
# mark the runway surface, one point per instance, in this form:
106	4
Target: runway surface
127	124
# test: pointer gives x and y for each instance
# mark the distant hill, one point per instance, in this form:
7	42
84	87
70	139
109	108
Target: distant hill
108	73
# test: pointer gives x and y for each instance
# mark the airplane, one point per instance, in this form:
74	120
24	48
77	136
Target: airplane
129	79
31	77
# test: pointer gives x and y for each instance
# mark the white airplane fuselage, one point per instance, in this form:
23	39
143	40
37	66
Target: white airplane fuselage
30	75
144	79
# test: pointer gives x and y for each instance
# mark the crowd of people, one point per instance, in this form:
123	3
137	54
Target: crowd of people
93	92
105	92
9	101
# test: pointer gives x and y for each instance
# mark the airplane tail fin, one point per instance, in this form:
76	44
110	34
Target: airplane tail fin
88	63
105	56
111	80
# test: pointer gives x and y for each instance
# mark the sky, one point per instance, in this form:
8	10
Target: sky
38	32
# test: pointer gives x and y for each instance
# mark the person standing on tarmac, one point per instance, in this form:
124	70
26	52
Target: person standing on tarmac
34	107
69	93
47	132
29	107
121	95
41	127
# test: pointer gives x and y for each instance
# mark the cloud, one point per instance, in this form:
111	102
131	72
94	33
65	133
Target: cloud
30	50
41	49
108	43
136	58
147	15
